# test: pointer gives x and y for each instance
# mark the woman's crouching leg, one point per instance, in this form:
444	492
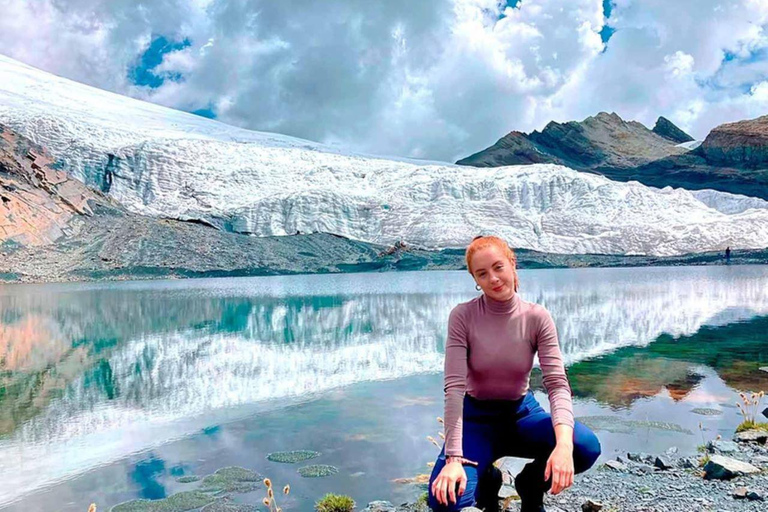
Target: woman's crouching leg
467	499
586	448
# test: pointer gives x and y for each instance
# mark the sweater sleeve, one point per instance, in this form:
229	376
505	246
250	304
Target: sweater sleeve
553	370
456	353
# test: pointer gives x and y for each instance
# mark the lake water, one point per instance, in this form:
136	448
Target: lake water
112	391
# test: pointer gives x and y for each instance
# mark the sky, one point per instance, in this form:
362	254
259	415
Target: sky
435	79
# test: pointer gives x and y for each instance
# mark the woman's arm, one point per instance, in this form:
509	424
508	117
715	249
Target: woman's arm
560	462
456	352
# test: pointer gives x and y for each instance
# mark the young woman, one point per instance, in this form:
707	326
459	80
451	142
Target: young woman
489	410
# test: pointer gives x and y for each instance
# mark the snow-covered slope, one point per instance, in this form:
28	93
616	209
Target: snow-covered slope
163	162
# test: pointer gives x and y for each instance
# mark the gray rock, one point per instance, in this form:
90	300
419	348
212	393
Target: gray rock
381	506
722	446
591	506
672	450
641	458
720	467
751	436
662	463
506	491
616	465
471	509
765	411
740	493
753	496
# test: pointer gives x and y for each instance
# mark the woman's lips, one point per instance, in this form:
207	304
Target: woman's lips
498	288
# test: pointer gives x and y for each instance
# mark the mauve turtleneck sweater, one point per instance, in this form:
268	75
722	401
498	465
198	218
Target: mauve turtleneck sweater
489	355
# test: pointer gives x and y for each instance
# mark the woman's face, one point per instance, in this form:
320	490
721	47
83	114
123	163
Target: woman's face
494	273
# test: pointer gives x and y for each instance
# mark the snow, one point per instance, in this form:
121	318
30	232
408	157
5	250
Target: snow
174	164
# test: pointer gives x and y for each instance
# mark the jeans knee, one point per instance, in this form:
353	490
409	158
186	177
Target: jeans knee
587	450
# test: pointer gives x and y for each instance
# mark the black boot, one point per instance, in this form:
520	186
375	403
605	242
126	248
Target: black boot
530	486
488	485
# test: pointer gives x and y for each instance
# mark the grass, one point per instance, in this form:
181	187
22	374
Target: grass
335	503
752	425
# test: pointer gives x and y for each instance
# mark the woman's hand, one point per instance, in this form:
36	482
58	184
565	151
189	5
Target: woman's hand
444	486
560	468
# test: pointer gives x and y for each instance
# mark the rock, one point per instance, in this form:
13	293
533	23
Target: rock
724	468
381	506
753	496
662	463
722	446
591	506
471	509
672	450
687	463
765	369
740	493
505	491
765	411
739	144
640	458
616	465
668	130
751	436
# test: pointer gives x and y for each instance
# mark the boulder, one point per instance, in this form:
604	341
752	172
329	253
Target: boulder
591	506
616	465
720	467
662	463
751	436
721	446
381	506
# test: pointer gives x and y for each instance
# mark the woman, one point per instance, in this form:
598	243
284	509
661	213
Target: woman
489	410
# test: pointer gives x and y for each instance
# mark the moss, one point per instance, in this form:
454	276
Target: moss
225	505
707	412
292	456
335	503
231	479
621	426
180	502
188	479
751	425
703	461
317	471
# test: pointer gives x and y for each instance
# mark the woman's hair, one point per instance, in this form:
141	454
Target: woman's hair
482	242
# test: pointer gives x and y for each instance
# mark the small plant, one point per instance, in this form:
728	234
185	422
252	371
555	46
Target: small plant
269	499
749	406
703	461
335	503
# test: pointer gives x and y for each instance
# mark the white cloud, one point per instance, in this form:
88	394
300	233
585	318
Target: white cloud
429	79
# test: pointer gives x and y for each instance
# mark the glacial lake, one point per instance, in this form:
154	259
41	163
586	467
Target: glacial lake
113	391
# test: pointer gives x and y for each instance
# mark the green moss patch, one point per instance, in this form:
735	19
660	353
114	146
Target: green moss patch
226	505
188	479
317	471
180	502
231	479
293	456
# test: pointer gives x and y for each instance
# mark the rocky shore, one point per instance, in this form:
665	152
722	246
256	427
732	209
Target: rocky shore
725	476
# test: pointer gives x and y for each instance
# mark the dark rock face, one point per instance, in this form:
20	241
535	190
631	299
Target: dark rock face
605	140
743	144
668	130
733	158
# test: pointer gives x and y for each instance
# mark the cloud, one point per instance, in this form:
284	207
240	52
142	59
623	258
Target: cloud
429	79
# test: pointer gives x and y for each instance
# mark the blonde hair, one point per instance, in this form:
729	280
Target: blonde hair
483	242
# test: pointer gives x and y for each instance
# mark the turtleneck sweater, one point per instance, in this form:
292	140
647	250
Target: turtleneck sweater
489	355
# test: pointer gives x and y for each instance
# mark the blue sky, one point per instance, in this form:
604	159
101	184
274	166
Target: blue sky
430	79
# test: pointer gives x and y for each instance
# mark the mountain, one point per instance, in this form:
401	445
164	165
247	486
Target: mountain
732	158
668	130
186	176
605	140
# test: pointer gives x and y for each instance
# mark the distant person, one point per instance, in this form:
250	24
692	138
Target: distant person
490	412
728	254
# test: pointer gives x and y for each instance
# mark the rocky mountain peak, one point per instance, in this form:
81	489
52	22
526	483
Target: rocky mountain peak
669	130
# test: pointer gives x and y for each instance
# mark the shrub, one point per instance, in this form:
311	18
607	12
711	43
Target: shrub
335	503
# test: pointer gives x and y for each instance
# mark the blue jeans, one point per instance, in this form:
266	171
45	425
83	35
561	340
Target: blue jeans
511	428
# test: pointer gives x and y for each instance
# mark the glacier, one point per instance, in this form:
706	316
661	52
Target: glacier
162	162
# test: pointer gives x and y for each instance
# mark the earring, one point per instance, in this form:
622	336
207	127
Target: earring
477	287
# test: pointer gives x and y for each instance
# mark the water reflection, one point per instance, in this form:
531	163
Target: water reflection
90	373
